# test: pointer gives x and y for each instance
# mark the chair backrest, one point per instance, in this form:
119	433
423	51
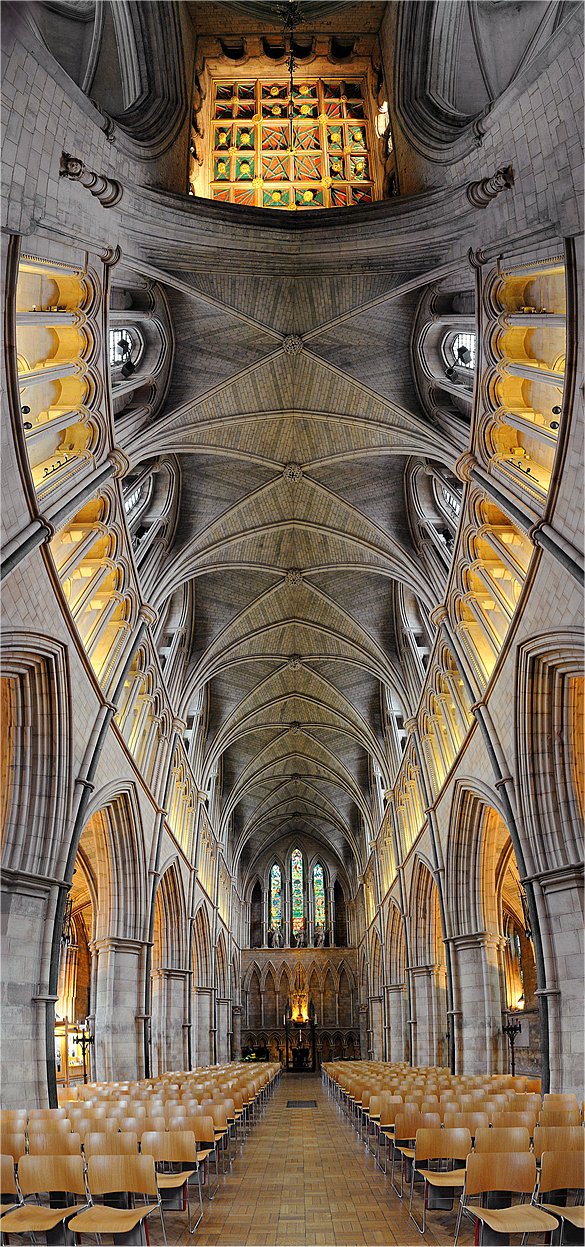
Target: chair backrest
466	1121
44	1125
500	1171
515	1119
13	1143
217	1110
7	1175
49	1114
13	1118
106	1143
375	1104
50	1144
203	1129
51	1173
559	1117
446	1144
169	1145
562	1171
502	1139
560	1099
558	1139
140	1124
407	1124
122	1173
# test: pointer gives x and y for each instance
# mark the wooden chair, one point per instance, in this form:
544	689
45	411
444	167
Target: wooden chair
37	1174
513	1172
466	1121
13	1118
503	1139
390	1105
108	1175
559	1117
438	1145
13	1143
558	1139
204	1130
562	1171
218	1112
58	1130
8	1190
515	1119
104	1143
405	1127
560	1099
139	1125
47	1114
176	1147
48	1143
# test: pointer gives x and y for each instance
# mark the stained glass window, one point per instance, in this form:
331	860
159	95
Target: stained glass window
320	157
276	897
319	896
298	908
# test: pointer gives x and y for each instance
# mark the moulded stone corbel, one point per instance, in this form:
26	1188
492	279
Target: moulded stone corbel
107	190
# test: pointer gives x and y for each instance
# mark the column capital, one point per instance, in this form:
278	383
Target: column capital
464	465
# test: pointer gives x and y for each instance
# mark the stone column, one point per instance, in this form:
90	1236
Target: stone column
119	1042
203	1026
559	897
396	1015
236	1032
429	1014
363	1025
478	1002
168	1017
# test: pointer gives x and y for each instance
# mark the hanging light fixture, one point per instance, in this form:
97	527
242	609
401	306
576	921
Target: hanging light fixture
291	15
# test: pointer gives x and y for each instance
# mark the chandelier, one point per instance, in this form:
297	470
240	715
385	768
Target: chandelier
291	15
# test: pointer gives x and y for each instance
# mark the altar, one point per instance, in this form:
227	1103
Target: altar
300	1028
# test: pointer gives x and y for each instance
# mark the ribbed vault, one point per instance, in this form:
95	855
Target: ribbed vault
293	415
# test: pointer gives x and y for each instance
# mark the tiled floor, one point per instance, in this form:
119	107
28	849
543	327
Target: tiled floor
303	1177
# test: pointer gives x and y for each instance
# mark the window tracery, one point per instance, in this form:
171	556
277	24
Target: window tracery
276	898
319	898
297	894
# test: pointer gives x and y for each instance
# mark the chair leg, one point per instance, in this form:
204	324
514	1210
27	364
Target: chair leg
421	1228
192	1227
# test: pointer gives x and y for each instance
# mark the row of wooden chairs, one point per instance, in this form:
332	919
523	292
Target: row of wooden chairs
98	1128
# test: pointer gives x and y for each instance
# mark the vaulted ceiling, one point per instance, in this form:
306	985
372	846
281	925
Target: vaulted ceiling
292	412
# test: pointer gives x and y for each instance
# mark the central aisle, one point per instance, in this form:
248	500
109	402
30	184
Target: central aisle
303	1177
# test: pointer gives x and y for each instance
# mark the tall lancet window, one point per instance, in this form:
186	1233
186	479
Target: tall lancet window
298	906
459	350
319	897
276	898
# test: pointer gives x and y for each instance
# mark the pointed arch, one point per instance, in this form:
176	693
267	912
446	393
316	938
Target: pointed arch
221	968
427	946
170	921
395	950
550	688
36	726
202	949
112	843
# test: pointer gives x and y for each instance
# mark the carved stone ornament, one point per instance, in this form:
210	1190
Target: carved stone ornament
480	194
464	466
295	662
293	344
295	727
294	577
107	190
292	472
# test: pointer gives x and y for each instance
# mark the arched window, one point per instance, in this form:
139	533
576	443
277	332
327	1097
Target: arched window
459	350
298	905
132	499
125	347
319	898
452	502
276	898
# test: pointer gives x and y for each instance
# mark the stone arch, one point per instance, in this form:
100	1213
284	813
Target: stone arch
112	843
549	748
428	973
221	968
395	950
168	977
329	999
269	997
36	719
474	831
202	959
169	948
254	998
346	995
